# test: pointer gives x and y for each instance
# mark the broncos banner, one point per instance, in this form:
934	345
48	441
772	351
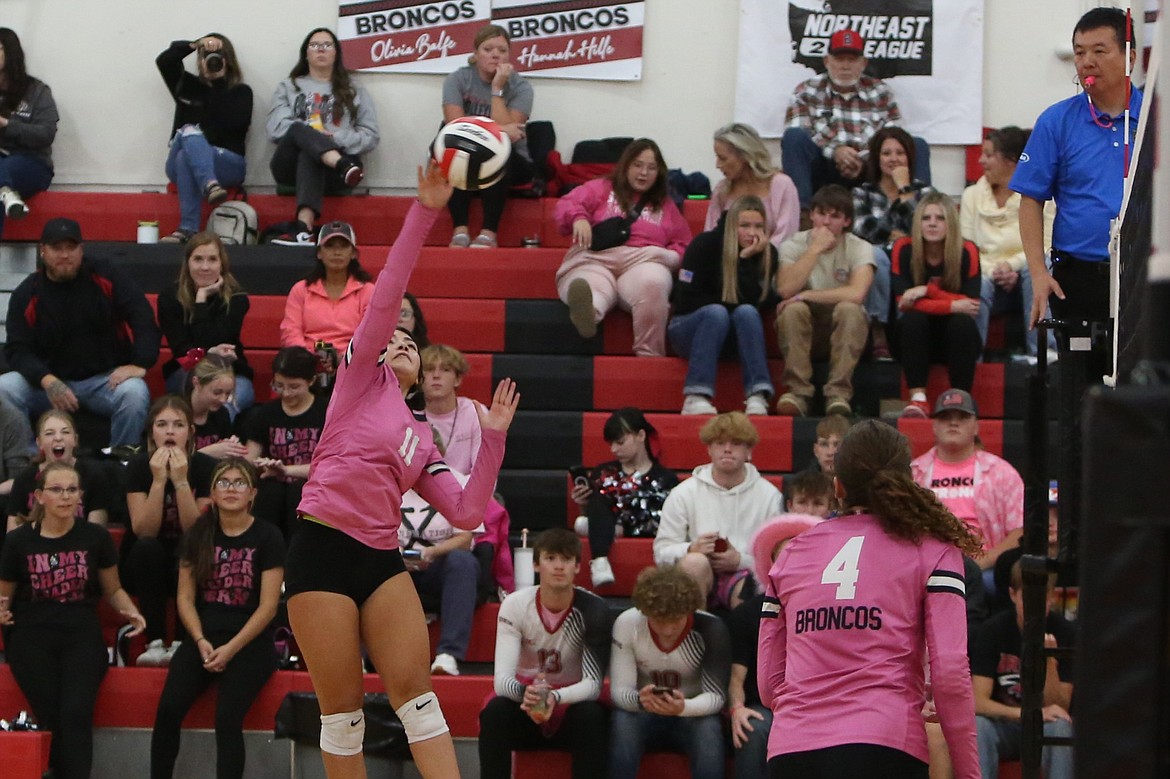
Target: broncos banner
930	52
590	39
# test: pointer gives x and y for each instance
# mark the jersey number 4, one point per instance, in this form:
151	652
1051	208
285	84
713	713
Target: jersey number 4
842	569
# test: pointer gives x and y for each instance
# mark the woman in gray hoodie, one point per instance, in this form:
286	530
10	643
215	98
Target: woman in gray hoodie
28	124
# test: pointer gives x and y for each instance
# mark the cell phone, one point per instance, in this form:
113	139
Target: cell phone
412	554
580	476
721	545
663	690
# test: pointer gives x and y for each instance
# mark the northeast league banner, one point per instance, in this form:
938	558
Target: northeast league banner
589	39
930	52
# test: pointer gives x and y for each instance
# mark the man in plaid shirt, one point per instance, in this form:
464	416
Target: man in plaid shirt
832	117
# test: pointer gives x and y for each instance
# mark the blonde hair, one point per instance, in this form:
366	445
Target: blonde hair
732	426
442	354
952	243
748	144
731	250
187	290
486	33
666	592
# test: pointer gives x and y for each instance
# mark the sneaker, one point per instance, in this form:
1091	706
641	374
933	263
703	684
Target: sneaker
581	526
460	241
600	572
349	170
838	406
756	406
156	652
302	235
178	236
485	241
790	405
581	312
916	409
214	193
14	207
881	353
697	404
445	664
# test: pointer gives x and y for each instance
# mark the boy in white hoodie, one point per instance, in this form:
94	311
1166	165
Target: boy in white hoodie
707	521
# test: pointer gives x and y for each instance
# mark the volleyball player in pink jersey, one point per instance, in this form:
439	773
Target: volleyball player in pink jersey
345	578
850	607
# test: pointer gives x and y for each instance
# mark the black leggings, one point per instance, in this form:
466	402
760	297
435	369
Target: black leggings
494	197
150	572
60	672
239	684
952	339
868	760
503	727
297	163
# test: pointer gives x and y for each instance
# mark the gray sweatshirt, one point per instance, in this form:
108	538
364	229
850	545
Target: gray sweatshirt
310	101
32	125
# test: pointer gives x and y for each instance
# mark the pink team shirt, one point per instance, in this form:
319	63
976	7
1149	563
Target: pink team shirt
373	447
847	614
954	485
998	498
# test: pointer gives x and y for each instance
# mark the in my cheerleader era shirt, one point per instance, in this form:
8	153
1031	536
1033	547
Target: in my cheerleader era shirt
229	598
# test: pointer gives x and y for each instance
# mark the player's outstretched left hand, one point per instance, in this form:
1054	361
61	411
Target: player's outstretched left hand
433	189
504	402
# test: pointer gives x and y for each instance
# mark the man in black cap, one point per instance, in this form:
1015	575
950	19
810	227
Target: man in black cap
80	335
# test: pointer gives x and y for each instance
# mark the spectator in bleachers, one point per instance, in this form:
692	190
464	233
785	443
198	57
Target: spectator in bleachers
321	121
936	281
490	86
883	212
167	487
668	676
231	568
552	649
57	443
831	118
995	676
810	492
978	487
454	418
80	335
708	520
445	573
624	496
854	609
28	125
725	286
410	317
634	273
51	572
989	217
751	721
327	305
830	431
282	435
203	313
748	169
825	274
213	111
209	389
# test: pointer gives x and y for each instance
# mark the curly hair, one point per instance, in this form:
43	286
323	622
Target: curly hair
666	592
873	465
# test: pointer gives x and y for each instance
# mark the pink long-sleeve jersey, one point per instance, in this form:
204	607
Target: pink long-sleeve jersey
848	613
374	447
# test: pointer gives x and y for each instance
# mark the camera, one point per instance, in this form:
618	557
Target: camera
214	62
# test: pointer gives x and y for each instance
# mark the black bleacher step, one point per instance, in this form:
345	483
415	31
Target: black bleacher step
543	327
543	439
548	382
535	499
261	270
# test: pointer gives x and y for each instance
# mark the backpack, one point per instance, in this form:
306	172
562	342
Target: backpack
235	222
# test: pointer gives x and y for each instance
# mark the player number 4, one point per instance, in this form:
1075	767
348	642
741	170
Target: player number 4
842	569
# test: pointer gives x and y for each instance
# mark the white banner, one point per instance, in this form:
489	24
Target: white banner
930	52
589	39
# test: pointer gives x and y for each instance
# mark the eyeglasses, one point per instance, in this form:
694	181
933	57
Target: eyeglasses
238	485
280	389
59	491
321	46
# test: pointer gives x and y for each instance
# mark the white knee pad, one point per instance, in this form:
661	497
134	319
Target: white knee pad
422	718
342	733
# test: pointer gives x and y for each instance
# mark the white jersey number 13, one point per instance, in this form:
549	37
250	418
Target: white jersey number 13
842	569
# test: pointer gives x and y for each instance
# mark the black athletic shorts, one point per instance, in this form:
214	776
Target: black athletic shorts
323	559
868	760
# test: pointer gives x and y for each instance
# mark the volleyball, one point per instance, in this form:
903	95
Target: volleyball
472	152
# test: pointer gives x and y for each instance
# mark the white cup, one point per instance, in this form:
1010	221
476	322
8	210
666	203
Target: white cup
148	232
522	563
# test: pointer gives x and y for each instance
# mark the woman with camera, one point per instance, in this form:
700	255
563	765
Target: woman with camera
212	112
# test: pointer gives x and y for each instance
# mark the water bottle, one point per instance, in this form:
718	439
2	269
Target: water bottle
543	690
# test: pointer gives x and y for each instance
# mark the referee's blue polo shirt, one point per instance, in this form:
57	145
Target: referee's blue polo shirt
1079	164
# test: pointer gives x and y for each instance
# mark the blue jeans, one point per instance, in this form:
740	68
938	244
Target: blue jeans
26	174
125	406
243	396
192	163
633	733
454	576
751	760
877	300
699	336
993	298
806	164
1000	739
